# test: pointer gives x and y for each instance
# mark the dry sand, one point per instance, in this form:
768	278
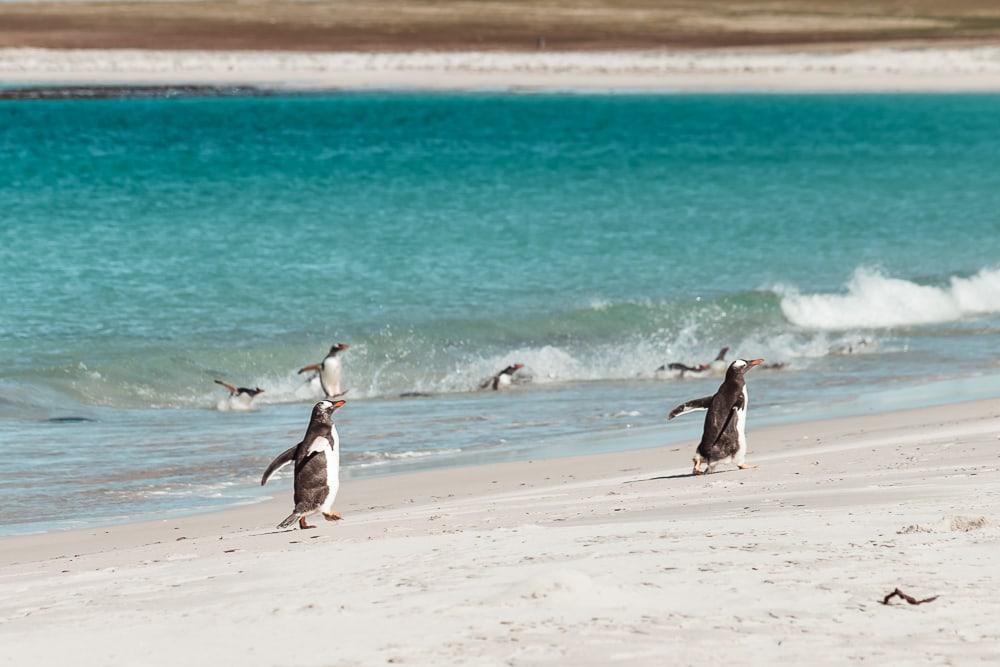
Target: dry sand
876	69
589	560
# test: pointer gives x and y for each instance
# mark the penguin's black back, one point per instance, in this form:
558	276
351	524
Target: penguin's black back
311	486
719	438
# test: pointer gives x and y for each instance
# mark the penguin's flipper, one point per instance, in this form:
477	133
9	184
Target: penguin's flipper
283	459
310	367
232	388
691	406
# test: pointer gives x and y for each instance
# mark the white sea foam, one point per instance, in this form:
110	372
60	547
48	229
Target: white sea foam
368	459
872	300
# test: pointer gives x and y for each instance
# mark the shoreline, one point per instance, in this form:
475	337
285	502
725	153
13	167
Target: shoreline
618	549
368	486
634	440
934	69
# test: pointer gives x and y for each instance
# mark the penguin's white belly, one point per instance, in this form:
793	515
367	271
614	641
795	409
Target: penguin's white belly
330	376
741	427
332	451
503	380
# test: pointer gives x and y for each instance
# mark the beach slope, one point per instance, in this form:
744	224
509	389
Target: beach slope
619	557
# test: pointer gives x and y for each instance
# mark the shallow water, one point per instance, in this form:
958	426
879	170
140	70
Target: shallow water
148	246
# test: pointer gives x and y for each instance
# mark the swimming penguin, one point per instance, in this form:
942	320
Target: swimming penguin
716	367
329	371
503	378
317	467
240	391
724	436
239	399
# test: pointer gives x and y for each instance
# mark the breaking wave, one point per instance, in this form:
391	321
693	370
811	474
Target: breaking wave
872	300
598	340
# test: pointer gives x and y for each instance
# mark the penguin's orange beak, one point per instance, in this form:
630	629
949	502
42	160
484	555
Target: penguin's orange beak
754	362
339	404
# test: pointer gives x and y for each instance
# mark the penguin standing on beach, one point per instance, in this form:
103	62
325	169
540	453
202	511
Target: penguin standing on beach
724	435
329	371
317	467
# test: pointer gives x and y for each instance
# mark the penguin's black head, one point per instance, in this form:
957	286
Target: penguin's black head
339	347
739	367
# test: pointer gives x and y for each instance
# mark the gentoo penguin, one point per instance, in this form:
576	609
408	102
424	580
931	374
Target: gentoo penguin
240	398
240	391
503	378
317	467
716	367
329	371
724	436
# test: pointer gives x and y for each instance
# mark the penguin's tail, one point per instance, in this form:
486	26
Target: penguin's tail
289	520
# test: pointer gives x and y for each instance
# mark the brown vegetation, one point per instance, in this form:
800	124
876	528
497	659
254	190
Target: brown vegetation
400	25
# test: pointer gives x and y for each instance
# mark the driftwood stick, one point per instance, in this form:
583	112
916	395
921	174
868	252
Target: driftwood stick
908	598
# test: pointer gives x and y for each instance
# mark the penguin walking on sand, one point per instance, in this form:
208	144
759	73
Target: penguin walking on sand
317	467
724	436
329	371
502	379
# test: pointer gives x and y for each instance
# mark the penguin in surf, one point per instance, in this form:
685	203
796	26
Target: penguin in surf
317	467
715	367
240	398
724	435
502	379
329	371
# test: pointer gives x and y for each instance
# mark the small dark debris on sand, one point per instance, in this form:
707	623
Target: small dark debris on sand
908	598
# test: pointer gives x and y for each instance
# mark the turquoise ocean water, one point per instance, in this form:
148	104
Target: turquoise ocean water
148	246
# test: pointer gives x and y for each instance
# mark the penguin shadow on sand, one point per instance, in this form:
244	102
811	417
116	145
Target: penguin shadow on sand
681	475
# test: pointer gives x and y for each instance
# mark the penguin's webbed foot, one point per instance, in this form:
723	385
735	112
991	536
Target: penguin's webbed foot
697	466
332	516
745	466
303	525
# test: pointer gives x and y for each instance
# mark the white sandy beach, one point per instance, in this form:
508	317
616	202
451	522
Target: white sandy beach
608	558
917	69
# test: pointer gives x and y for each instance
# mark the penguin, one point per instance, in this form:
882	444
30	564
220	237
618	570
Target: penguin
724	436
503	378
240	391
715	367
240	398
317	467
329	371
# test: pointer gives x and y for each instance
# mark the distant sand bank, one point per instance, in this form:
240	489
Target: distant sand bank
587	560
881	69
